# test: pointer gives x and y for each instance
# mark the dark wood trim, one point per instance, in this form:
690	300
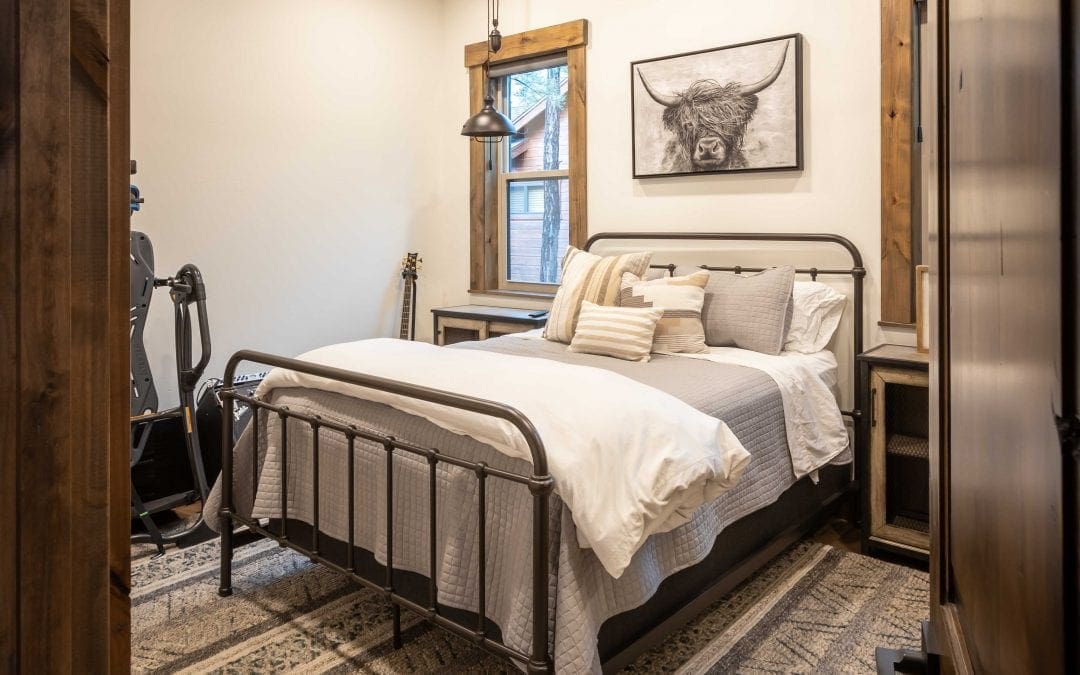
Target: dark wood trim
9	311
484	237
1070	311
44	443
119	567
943	623
63	317
532	43
89	155
998	598
897	266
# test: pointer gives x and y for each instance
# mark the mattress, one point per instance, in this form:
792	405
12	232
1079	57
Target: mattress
583	594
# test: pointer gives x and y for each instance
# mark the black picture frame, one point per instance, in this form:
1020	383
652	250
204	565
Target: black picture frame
684	166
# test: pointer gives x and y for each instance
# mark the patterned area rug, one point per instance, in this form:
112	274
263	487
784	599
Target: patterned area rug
813	609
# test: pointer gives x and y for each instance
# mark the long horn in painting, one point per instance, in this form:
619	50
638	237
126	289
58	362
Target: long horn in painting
666	101
748	89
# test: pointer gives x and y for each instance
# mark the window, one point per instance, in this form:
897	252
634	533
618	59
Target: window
534	218
526	198
536	228
528	192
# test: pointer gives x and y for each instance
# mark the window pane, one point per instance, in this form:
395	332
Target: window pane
532	257
536	103
536	198
517	198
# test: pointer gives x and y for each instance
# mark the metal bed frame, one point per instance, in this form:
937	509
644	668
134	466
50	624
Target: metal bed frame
539	481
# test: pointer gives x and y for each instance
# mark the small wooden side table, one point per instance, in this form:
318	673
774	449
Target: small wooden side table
895	473
479	322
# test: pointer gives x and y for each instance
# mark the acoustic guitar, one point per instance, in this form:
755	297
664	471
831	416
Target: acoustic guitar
410	271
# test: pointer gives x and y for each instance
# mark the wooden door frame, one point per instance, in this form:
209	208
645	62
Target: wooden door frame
951	635
64	276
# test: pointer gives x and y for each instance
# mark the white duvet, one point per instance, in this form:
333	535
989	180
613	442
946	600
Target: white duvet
815	428
627	459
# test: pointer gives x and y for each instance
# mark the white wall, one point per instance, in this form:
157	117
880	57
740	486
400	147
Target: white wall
295	150
838	191
284	148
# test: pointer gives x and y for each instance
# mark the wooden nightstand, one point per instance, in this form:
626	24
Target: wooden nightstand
895	471
479	322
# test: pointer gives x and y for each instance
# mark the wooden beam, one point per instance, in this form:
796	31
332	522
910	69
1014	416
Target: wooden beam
89	273
531	43
89	27
9	354
44	442
897	267
63	400
118	298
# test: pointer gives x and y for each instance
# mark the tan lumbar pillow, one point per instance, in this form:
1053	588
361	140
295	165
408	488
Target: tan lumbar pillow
621	332
588	278
680	329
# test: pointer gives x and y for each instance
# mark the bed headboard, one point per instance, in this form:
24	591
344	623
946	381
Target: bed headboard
856	272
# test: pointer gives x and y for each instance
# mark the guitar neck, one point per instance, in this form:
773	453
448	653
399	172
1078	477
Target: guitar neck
407	309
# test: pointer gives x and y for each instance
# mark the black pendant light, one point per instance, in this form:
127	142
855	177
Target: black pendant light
489	125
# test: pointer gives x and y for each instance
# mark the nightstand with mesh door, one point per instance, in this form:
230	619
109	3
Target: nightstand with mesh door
895	471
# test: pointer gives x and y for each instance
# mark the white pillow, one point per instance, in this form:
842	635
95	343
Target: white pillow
816	315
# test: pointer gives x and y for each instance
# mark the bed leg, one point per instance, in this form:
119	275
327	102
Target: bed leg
225	589
395	610
227	524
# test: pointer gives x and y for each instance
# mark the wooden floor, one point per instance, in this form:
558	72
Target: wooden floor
844	535
839	533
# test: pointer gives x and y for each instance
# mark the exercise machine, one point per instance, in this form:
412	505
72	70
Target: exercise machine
188	293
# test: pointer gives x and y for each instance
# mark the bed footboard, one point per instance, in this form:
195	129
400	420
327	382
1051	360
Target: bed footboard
539	483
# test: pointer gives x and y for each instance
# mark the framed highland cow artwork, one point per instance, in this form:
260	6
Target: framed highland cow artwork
724	110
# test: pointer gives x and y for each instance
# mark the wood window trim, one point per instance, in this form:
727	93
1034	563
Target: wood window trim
484	239
897	165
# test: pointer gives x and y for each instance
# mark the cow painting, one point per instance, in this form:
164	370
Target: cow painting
717	123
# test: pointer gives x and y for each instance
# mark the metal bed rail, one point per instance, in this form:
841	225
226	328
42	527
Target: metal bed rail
539	483
857	272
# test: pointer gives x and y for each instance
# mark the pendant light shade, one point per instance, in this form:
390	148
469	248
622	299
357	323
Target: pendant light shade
489	124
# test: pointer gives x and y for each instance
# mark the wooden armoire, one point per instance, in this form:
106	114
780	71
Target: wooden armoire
1001	175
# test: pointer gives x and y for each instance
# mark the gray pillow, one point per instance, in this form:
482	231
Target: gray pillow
750	311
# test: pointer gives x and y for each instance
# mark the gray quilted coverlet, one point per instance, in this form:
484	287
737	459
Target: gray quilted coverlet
583	595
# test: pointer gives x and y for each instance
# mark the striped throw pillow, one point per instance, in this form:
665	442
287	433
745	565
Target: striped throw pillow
623	332
681	298
588	278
